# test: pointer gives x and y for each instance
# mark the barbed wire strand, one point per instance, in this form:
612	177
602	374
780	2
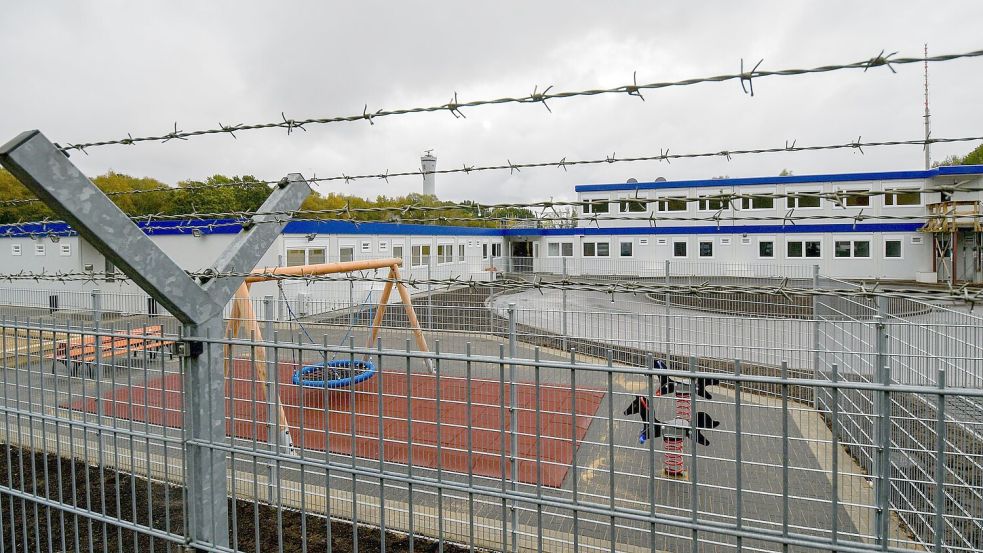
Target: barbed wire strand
784	287
563	163
455	106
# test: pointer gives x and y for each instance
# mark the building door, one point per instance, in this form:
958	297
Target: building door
968	256
521	257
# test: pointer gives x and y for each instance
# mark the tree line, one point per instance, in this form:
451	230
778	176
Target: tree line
142	196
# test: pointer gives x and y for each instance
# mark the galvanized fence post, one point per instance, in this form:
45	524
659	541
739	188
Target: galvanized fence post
815	334
667	309
271	372
882	425
96	309
198	304
563	311
513	431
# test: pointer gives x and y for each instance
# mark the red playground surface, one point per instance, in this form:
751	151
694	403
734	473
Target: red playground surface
159	403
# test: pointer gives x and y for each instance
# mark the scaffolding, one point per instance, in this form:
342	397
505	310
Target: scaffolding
947	221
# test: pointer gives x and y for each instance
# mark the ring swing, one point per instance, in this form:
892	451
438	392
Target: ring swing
339	373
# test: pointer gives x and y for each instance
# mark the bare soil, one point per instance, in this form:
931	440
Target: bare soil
29	526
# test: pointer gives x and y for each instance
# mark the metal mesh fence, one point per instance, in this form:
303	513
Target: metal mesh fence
520	439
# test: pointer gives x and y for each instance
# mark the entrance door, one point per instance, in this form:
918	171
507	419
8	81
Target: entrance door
967	262
522	257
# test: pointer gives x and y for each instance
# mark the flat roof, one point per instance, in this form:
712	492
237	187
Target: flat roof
792	179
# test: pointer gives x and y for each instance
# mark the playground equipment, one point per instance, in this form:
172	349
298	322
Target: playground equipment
243	317
675	431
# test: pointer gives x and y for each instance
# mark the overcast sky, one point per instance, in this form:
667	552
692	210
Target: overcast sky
97	70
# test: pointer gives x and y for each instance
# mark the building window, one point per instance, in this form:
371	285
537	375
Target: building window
725	241
632	205
596	206
38	249
110	270
892	248
383	246
445	253
758	202
398	251
679	249
745	240
856	198
597	249
916	239
15	249
711	203
643	241
496	250
803	248
903	197
316	256
626	249
766	248
366	247
460	252
296	257
706	248
804	201
557	249
346	253
852	248
672	203
65	250
421	255
661	241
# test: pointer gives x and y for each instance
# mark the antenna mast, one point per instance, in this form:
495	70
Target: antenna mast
928	132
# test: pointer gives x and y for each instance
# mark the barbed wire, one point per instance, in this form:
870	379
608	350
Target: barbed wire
784	287
455	106
38	229
563	163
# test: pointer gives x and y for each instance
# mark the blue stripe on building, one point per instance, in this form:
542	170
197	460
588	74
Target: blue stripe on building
793	179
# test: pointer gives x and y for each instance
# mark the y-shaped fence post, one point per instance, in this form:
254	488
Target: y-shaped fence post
197	304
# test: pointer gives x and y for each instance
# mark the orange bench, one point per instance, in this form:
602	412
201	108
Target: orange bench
83	351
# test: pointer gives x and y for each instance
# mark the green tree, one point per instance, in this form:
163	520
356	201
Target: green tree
972	158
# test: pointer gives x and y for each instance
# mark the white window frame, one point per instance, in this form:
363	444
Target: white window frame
383	245
745	240
496	249
685	243
725	241
804	240
891	196
699	248
750	200
343	247
643	241
549	249
39	250
853	248
774	247
625	201
324	254
917	240
631	248
16	249
366	246
596	205
792	202
420	259
402	250
595	246
845	192
445	253
663	202
900	242
661	241
707	198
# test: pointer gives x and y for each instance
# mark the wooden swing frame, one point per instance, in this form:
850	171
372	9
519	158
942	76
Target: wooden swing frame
243	316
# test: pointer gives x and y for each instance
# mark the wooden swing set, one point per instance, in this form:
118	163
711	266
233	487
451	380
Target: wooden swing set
243	317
